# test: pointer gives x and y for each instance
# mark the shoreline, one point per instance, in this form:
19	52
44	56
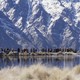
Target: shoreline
63	55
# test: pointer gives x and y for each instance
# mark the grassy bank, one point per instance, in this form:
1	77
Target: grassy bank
39	72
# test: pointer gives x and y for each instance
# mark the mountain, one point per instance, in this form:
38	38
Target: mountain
40	23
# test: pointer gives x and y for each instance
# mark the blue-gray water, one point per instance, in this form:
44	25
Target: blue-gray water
48	61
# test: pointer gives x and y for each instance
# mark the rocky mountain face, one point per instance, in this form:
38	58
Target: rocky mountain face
40	24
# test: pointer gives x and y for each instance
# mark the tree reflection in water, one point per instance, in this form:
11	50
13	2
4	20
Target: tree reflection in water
48	61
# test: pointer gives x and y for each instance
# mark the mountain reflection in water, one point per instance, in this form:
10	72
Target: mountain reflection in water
48	61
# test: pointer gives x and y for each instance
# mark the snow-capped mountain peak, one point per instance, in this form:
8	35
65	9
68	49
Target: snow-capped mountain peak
43	23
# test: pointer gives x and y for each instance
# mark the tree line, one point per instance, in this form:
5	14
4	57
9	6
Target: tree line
34	50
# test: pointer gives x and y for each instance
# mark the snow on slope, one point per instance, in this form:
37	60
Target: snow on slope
45	23
10	37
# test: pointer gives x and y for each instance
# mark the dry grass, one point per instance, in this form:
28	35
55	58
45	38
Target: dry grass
39	72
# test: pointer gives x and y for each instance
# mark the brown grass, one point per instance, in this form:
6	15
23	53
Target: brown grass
39	72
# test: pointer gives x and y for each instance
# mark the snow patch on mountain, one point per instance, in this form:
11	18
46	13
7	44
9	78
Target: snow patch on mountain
53	8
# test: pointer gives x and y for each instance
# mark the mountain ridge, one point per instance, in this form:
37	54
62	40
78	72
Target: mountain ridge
44	24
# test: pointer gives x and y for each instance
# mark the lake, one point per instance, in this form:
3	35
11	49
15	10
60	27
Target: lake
48	61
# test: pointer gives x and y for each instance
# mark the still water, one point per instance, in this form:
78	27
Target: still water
48	61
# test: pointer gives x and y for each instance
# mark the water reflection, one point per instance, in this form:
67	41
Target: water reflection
48	61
